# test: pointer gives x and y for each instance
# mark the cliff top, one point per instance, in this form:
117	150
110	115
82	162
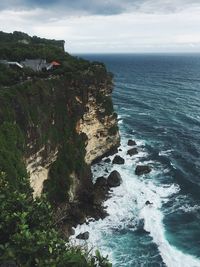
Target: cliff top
20	47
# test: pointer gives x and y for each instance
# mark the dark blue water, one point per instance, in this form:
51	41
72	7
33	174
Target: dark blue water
157	98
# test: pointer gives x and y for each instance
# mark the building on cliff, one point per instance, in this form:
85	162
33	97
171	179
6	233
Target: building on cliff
34	64
39	64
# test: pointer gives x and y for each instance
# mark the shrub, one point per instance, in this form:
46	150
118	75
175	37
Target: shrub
28	236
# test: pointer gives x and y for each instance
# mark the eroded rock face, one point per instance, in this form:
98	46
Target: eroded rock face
38	169
91	105
101	190
101	129
101	182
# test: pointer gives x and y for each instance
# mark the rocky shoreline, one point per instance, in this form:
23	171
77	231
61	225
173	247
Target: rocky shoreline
103	185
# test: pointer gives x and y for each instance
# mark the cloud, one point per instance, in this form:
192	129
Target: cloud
79	7
99	7
124	26
127	32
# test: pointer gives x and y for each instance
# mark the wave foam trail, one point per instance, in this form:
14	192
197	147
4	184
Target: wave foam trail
170	255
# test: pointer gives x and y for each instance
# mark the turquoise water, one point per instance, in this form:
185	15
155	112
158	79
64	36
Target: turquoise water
157	98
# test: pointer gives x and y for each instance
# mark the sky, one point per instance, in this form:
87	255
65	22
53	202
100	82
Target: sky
108	26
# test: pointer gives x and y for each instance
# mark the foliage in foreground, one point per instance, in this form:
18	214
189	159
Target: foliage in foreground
28	237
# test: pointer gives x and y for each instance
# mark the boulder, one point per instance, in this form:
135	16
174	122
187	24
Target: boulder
83	236
131	143
142	169
108	160
118	160
132	151
114	179
101	181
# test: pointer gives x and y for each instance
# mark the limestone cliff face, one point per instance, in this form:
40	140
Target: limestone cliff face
99	129
38	169
90	107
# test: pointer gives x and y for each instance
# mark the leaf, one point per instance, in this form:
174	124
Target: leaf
50	250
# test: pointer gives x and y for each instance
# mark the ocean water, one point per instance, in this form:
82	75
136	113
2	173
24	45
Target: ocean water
157	98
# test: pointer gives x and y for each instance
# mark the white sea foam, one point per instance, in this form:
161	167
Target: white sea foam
166	152
188	208
127	207
170	255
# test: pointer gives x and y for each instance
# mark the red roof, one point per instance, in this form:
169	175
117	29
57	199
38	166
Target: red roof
55	63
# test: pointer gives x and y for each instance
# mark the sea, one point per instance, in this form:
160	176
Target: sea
157	99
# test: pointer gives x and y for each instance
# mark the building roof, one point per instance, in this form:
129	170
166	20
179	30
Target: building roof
34	64
55	63
16	63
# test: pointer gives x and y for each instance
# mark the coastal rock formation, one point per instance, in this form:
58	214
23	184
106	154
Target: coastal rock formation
83	236
95	133
118	160
38	169
114	179
132	151
62	124
131	143
142	169
100	125
101	182
101	190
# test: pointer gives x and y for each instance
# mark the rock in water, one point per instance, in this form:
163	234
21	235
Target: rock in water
131	143
83	236
148	203
114	179
118	160
108	160
101	181
132	151
142	169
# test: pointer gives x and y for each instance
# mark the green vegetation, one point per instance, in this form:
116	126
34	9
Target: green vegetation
19	46
26	113
13	48
40	110
113	130
28	235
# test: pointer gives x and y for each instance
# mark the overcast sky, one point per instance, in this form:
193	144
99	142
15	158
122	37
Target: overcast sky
117	26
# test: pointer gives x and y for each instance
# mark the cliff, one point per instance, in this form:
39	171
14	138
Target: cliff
53	125
65	124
